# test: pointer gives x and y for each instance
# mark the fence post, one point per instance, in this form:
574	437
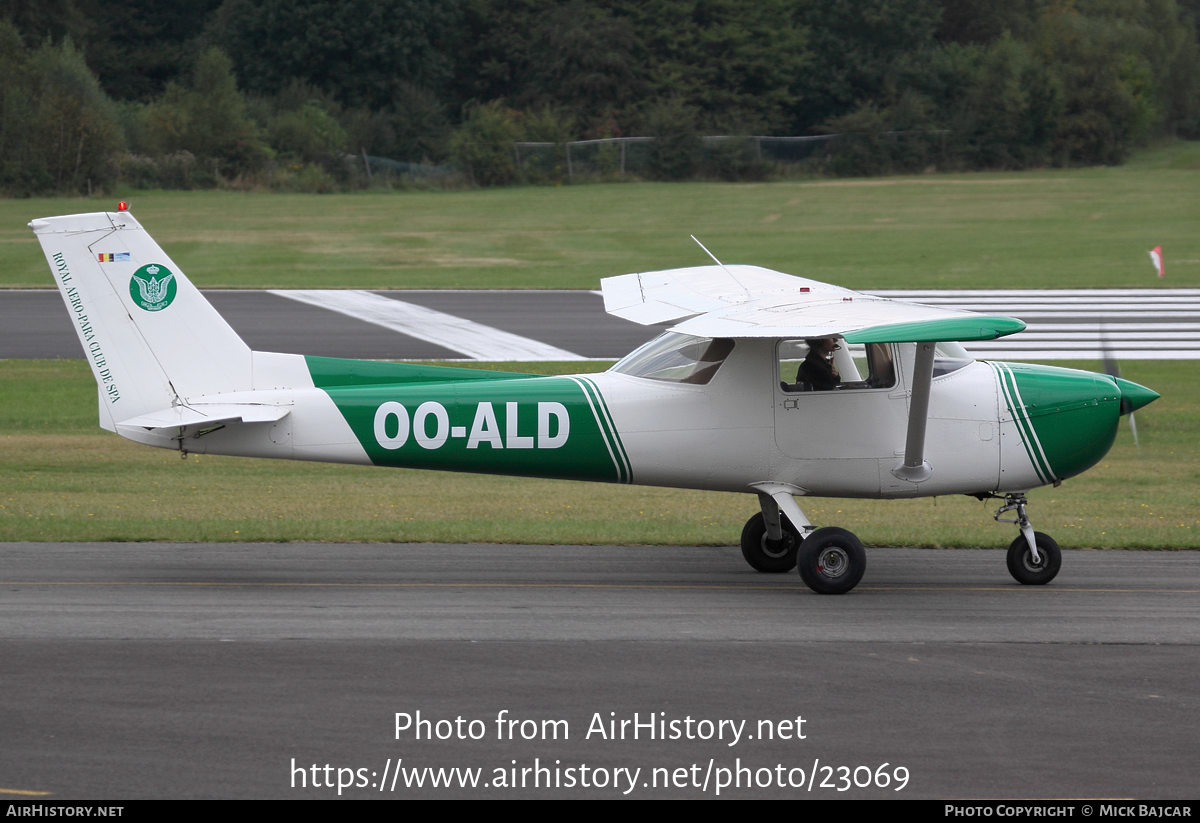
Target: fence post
570	174
622	159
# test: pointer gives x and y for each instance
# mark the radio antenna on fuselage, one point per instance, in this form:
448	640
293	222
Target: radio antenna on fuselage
722	265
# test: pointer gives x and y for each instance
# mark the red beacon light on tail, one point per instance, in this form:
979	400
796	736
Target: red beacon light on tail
122	206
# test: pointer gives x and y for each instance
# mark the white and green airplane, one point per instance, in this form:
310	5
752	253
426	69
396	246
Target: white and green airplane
762	383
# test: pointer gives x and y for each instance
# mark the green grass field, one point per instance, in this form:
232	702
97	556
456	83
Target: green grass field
62	478
1038	229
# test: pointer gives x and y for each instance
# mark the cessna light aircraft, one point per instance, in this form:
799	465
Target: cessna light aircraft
738	394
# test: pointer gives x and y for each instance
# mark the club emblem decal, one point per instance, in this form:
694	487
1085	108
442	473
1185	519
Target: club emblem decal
152	287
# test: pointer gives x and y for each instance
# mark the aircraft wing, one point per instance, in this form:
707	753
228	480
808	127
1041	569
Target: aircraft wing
749	301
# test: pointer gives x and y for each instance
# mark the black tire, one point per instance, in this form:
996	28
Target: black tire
766	555
831	560
1022	567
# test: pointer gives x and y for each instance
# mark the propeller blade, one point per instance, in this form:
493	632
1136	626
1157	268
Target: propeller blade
1113	369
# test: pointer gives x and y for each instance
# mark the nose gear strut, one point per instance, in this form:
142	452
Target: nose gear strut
1033	558
1018	502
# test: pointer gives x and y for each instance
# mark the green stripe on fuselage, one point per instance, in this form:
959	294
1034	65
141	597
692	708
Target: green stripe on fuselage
616	434
1017	410
616	447
331	372
467	424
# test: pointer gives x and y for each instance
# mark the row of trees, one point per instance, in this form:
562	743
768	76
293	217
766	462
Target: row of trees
190	94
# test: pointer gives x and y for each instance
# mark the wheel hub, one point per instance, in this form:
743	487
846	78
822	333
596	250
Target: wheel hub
776	548
832	562
1031	564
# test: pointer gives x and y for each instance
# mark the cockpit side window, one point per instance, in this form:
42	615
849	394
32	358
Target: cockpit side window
808	365
677	358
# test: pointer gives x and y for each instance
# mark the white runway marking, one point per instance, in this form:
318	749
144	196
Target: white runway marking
475	340
1080	324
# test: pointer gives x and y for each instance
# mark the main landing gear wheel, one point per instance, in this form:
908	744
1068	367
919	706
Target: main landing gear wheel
1022	566
831	560
765	554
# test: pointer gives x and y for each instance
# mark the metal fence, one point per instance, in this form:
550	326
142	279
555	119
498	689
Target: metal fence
590	158
619	156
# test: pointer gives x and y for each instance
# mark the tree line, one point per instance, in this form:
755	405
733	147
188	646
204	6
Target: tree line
279	93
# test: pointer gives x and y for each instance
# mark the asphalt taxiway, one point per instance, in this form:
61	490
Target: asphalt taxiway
216	670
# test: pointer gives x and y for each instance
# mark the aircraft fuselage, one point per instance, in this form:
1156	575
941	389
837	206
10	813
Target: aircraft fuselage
992	427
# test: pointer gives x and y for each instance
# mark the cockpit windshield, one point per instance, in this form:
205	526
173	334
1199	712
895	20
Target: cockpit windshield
949	356
677	358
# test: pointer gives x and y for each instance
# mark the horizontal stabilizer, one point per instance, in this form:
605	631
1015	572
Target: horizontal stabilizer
207	414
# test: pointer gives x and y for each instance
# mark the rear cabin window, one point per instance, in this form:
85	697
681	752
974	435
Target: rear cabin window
677	358
854	366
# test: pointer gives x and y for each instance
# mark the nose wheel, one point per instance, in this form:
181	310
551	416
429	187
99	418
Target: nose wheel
1033	558
1029	571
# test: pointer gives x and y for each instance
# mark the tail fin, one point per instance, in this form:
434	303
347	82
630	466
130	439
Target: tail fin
152	339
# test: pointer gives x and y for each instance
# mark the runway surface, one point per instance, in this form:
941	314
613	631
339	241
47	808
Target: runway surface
1081	324
218	670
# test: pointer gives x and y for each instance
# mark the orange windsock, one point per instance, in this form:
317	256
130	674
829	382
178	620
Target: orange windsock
1157	258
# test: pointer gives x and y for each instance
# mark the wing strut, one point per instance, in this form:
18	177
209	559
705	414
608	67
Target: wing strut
915	468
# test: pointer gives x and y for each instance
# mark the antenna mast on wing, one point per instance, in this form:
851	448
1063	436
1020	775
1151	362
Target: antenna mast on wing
722	265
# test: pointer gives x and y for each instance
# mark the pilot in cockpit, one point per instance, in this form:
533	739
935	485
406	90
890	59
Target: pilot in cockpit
818	370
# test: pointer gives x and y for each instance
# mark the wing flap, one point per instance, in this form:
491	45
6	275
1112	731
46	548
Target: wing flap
657	297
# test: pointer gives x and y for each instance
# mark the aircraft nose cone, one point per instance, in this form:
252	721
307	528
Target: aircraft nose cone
1134	395
1067	419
